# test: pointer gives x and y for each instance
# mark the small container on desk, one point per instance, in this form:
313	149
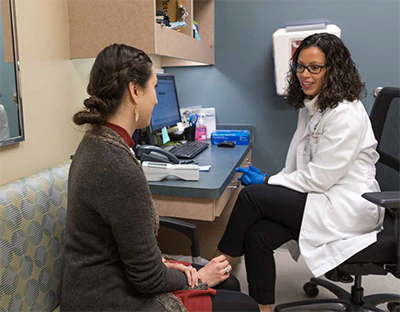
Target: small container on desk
201	130
190	133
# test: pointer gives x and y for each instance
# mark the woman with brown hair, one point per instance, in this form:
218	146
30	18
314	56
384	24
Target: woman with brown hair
316	199
111	260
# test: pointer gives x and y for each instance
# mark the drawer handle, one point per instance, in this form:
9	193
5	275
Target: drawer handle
234	185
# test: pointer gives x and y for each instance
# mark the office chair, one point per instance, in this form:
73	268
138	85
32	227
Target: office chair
383	256
189	230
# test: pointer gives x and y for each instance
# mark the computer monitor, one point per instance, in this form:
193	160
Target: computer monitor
166	113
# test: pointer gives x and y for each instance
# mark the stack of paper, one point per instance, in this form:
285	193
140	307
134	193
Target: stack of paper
208	114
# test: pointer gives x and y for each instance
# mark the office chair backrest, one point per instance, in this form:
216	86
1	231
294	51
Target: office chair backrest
385	117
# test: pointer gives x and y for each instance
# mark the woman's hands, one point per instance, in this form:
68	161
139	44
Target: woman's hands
214	272
191	273
251	176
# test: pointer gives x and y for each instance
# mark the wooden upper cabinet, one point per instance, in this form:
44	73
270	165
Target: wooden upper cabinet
95	24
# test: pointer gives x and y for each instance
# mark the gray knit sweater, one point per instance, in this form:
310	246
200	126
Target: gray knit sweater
111	260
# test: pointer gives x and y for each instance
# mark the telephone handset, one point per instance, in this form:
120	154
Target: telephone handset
155	153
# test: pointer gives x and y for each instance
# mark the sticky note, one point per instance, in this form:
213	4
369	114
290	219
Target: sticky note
165	136
180	126
204	168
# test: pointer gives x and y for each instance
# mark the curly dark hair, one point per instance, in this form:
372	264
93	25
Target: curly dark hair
114	68
341	81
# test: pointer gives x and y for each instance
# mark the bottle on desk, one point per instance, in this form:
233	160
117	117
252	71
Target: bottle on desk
201	130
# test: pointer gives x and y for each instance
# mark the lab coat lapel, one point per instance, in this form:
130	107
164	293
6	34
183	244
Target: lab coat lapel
312	125
303	146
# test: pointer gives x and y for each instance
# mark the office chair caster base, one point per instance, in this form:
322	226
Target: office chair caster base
337	275
340	293
393	306
344	303
326	305
314	306
392	300
311	290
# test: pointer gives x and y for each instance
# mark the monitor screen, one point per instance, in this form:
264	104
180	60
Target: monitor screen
166	113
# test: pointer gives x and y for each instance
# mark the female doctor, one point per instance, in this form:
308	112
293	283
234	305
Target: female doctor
316	199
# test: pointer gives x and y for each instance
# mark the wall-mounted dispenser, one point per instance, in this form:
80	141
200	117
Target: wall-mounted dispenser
286	40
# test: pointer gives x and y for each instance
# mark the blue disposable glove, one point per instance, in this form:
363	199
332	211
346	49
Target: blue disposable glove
251	176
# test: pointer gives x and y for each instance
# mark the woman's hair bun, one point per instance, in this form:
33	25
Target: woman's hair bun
96	108
95	103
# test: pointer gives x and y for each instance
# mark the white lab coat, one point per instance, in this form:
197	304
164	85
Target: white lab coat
332	157
4	130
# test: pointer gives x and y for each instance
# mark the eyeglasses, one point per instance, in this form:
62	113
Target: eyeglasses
313	69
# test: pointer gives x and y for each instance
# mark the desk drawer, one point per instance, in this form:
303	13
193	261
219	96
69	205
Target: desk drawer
233	188
199	208
199	212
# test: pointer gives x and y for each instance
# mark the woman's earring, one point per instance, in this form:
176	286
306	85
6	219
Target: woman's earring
136	114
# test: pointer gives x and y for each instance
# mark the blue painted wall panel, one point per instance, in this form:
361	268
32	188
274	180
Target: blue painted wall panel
241	84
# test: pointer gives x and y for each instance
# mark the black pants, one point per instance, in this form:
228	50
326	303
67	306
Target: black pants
229	297
264	218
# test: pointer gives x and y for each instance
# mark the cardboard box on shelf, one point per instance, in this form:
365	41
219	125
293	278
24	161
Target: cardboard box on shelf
170	7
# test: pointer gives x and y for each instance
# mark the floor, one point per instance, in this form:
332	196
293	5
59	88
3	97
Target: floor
292	276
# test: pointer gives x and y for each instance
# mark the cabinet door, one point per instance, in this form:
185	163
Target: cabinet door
209	233
94	24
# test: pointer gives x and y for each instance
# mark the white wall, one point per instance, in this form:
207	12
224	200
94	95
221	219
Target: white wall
53	89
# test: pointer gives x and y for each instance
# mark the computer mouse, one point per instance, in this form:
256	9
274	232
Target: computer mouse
226	144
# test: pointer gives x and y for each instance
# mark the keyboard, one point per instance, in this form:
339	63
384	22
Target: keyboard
189	149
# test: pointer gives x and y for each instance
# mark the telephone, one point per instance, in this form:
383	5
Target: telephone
156	171
155	153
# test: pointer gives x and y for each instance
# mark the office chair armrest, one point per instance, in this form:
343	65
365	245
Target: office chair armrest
188	229
389	200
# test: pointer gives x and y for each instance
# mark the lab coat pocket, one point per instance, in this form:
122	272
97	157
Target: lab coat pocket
370	215
370	171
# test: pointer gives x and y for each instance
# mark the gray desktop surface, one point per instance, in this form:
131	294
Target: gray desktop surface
211	184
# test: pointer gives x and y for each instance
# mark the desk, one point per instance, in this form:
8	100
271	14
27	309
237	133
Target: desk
207	203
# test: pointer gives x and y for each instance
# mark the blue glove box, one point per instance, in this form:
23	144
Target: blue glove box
240	137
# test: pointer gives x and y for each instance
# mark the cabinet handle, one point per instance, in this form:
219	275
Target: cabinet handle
234	185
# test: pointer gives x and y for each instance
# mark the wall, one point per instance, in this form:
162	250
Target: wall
53	88
241	84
